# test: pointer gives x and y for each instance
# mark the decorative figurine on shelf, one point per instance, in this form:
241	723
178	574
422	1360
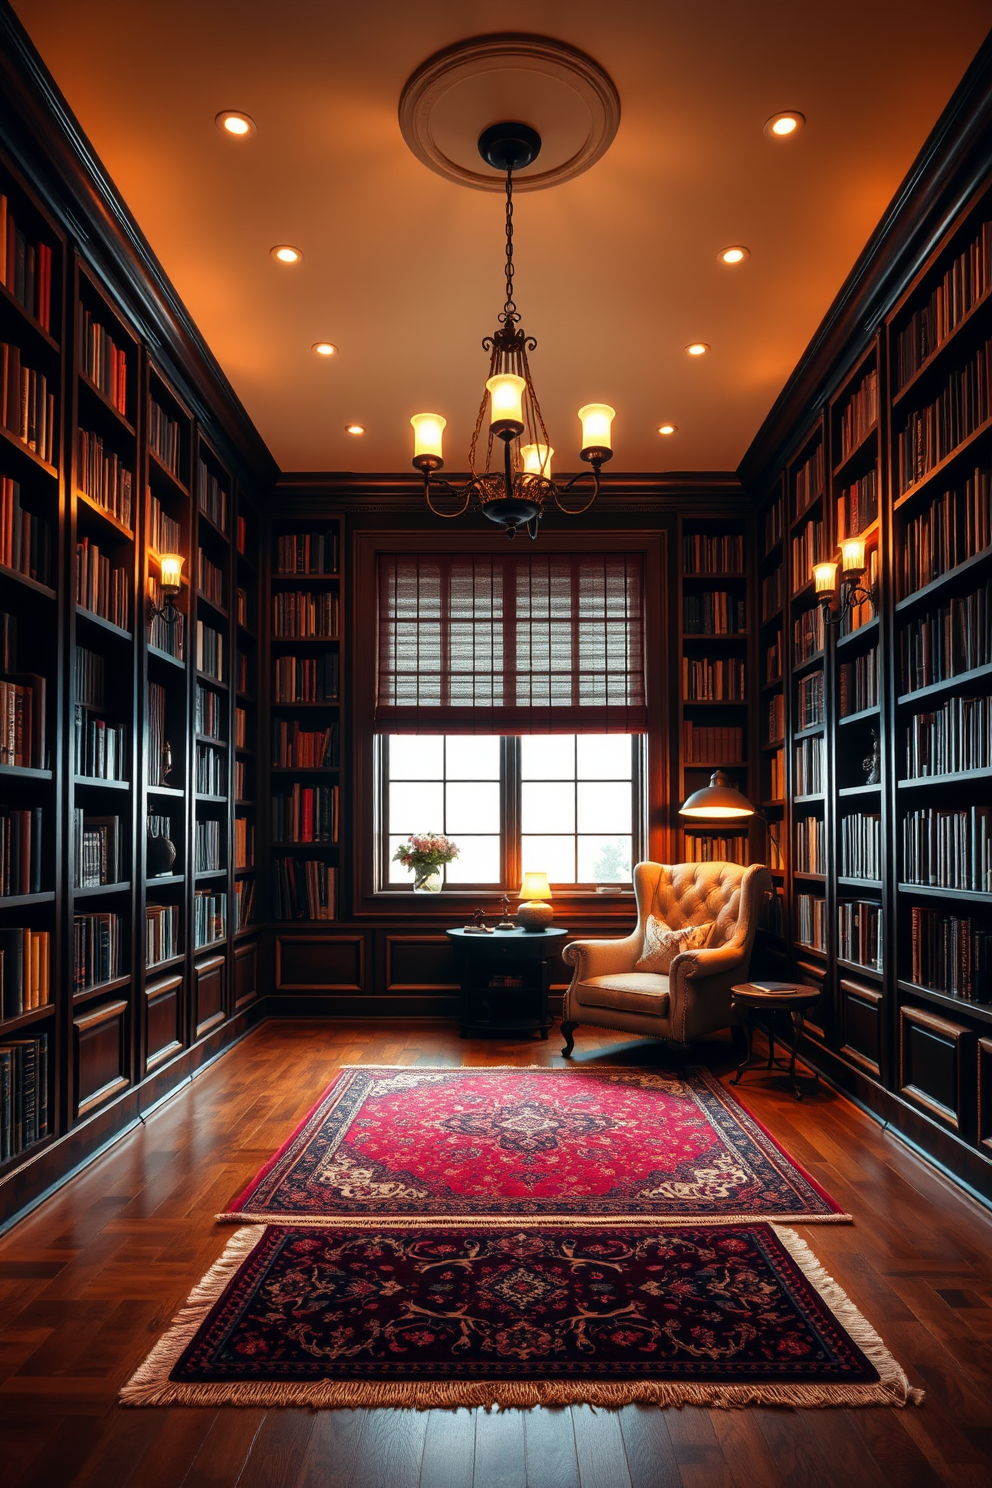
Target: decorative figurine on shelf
479	919
426	853
872	763
534	911
160	851
166	760
506	923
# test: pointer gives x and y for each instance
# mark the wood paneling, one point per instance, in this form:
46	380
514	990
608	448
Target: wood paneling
861	1011
100	1054
420	963
245	973
209	984
320	963
163	1013
931	1073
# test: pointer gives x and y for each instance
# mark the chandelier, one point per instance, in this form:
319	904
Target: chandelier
511	489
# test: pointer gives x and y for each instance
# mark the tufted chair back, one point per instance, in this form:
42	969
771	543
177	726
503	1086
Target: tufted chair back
683	894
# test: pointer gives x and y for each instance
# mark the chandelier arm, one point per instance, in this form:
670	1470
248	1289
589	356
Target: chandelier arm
466	492
560	491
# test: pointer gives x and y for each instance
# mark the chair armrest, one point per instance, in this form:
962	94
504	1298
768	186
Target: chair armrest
602	957
707	963
692	976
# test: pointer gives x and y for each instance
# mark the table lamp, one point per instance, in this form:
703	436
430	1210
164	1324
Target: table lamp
534	911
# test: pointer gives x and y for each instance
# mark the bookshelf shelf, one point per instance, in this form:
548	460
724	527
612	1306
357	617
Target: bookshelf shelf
858	456
948	686
12	442
951	578
27	320
864	635
13	574
97	891
929	891
23	772
90	508
849	792
960	777
980	1010
861	716
941	353
937	472
158	468
859	968
24	901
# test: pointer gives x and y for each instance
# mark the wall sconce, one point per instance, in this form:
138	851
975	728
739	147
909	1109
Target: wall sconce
534	911
170	583
840	596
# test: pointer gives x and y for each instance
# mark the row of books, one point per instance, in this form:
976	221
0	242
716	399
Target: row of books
810	777
776	776
104	362
712	679
953	738
96	850
948	848
211	771
25	538
168	635
950	954
861	846
209	918
950	639
308	552
711	744
209	579
954	527
859	932
811	921
811	854
20	851
24	1117
157	825
302	614
857	505
776	718
705	847
858	682
244	842
859	414
865	610
89	677
807	482
161	933
241	780
209	651
773	659
302	889
241	534
102	475
306	814
164	533
774	523
722	553
244	903
25	267
773	833
772	593
809	701
713	612
305	679
241	607
807	549
97	947
773	914
931	433
808	633
99	748
25	970
211	497
241	729
297	748
26	405
241	673
99	588
208	713
23	738
208	846
962	286
164	440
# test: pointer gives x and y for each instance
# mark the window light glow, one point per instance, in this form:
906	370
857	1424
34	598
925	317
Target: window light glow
286	253
235	123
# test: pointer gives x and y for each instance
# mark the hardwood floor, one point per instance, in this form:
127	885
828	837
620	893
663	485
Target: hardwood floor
92	1277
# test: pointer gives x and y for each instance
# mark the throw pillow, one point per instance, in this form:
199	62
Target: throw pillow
661	944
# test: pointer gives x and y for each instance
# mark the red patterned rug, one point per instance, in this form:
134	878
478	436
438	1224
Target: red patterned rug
422	1317
508	1144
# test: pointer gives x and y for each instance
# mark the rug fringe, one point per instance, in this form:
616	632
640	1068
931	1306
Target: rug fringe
514	1222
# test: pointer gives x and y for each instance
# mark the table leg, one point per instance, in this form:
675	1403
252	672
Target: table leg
798	1019
770	1030
748	1029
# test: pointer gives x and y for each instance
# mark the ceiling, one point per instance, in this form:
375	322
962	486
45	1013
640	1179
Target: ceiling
616	271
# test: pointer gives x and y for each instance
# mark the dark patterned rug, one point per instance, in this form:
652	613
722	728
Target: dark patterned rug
510	1144
725	1315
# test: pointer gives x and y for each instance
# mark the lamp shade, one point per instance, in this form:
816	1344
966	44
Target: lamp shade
534	911
852	557
171	568
597	421
428	432
825	579
537	459
535	886
506	392
718	799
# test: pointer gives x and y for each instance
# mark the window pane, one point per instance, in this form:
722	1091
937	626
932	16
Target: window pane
472	808
470	758
554	856
547	757
604	807
416	757
397	873
604	757
477	861
548	807
416	807
604	860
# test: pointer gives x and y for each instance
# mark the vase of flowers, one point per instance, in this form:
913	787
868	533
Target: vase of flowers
426	853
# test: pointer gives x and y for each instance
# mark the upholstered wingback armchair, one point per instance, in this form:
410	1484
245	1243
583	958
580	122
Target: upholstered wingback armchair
692	998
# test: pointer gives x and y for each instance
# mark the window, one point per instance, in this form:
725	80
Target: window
567	804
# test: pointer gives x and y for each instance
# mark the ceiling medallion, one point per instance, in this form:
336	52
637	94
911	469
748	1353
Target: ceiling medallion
562	93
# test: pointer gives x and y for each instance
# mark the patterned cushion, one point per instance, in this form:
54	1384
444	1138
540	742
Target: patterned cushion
661	944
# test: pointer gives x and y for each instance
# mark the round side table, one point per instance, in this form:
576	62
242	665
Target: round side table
763	1002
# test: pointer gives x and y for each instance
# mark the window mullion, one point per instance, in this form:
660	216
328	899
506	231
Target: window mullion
510	799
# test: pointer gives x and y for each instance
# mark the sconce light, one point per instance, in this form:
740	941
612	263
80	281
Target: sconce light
170	583
840	596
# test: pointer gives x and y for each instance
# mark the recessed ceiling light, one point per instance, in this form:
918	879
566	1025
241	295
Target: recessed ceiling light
354	428
234	122
324	348
784	125
668	428
734	255
697	348
285	253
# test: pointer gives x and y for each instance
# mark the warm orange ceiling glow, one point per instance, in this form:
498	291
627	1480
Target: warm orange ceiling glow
285	253
734	255
234	122
785	125
697	348
324	348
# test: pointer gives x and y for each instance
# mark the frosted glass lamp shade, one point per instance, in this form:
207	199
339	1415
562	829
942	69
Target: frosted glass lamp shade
597	423
506	413
428	434
171	568
852	557
825	579
537	459
534	911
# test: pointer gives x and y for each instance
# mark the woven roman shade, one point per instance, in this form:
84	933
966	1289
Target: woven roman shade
528	644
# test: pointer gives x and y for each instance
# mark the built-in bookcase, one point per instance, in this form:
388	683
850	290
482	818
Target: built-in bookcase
771	662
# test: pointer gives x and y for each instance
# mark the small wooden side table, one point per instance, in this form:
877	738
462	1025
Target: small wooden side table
505	979
763	1002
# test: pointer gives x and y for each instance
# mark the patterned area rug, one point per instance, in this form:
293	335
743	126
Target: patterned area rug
425	1317
507	1143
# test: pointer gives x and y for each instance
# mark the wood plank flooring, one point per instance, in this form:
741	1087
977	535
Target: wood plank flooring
89	1281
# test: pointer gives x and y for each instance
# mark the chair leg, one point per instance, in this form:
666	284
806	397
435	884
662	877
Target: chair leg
567	1031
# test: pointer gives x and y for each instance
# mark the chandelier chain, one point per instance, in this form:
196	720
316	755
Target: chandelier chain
510	315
